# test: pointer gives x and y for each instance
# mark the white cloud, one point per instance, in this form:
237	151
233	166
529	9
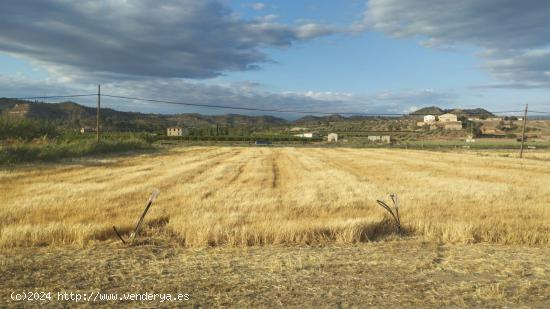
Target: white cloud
258	6
123	40
515	35
240	94
328	95
313	30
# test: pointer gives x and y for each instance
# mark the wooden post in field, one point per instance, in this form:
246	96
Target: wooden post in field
98	108
523	132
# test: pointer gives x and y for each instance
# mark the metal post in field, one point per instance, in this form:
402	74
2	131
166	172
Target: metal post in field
98	108
523	132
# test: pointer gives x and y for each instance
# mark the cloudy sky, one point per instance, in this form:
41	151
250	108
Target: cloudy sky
354	56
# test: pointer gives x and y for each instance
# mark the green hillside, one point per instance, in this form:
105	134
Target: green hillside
434	110
77	115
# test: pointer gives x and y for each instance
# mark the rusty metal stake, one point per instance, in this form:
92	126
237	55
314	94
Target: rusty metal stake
140	221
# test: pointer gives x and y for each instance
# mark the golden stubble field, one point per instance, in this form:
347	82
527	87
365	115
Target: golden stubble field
213	196
290	227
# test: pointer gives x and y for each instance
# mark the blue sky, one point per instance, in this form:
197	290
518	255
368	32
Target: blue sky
365	61
348	56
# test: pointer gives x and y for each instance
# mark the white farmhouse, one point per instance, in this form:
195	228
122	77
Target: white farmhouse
429	119
377	138
332	137
308	135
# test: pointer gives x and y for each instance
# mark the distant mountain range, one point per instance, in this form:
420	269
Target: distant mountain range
83	116
315	119
436	111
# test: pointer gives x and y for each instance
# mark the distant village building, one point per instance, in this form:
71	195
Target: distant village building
379	139
174	131
332	137
450	122
308	135
298	129
87	130
429	118
448	118
445	121
453	125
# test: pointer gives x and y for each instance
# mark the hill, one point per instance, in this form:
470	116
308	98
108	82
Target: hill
315	119
476	112
434	110
77	115
334	118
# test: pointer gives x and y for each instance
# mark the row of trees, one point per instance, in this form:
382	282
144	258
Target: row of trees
24	129
223	131
249	138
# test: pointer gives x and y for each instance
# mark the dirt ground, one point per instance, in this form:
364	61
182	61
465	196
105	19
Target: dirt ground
399	273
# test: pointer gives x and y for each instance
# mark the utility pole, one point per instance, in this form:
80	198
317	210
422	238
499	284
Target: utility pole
98	108
523	132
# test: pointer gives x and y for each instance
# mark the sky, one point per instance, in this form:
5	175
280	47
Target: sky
354	56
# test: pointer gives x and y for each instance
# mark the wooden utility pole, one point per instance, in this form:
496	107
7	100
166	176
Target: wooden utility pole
98	108
523	132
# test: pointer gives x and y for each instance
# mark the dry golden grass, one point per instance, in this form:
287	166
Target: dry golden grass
234	196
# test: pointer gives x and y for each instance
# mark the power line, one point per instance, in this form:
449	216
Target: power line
55	96
538	112
249	108
472	113
279	110
504	112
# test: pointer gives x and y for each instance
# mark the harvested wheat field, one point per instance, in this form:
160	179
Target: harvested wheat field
247	226
258	196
